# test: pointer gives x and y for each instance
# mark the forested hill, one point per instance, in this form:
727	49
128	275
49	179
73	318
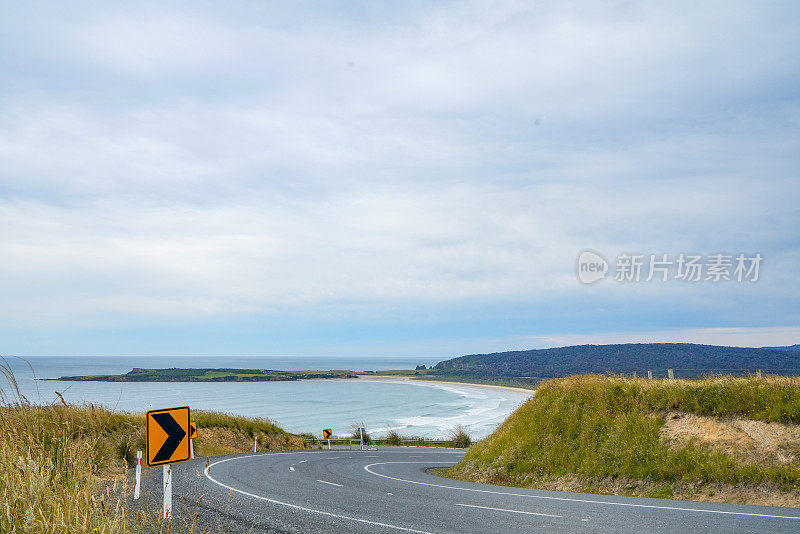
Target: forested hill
687	359
795	348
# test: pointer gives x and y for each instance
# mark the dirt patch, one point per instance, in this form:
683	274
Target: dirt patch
746	440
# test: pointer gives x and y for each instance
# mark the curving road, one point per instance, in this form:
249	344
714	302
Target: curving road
389	490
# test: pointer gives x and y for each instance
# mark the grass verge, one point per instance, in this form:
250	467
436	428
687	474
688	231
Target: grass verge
63	467
608	434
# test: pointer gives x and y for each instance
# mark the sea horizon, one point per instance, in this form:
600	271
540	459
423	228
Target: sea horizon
414	408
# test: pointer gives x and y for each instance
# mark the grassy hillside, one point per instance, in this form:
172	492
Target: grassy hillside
725	438
62	467
688	359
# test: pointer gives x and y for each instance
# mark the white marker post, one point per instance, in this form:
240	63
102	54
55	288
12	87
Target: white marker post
329	443
191	448
138	475
255	443
167	472
361	437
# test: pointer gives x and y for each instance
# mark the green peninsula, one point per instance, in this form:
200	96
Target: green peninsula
138	374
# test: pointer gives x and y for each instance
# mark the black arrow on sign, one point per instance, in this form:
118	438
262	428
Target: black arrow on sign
175	434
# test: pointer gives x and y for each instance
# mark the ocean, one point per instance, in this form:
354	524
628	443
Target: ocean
414	408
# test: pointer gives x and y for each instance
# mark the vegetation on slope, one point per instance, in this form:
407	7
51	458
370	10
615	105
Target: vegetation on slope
613	435
62	467
688	359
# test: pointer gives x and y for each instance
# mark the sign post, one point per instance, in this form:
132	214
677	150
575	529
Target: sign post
137	485
167	483
327	434
361	438
168	442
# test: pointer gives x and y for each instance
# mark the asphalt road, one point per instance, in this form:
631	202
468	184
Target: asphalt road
390	490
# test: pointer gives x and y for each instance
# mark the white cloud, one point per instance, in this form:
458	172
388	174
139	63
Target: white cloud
206	163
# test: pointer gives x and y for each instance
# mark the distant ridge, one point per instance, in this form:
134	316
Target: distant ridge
688	360
795	347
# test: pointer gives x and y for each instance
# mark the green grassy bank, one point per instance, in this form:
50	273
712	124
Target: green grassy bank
724	438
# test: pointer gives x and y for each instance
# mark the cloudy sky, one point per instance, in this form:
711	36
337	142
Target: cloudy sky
385	179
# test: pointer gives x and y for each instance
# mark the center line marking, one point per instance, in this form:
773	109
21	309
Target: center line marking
331	483
297	506
291	468
571	499
505	510
302	461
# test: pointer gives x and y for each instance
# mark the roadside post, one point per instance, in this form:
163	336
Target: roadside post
361	438
649	375
192	435
137	484
670	374
327	433
168	442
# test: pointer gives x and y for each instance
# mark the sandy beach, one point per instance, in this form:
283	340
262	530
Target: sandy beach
393	378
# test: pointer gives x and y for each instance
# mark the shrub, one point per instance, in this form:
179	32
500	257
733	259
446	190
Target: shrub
459	438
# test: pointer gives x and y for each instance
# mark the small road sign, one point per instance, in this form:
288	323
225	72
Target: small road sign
168	436
192	430
327	434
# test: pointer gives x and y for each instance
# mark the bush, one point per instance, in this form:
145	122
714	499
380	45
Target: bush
459	438
393	437
354	433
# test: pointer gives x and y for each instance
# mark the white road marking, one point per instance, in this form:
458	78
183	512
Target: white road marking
505	510
568	499
371	456
291	468
298	507
331	483
302	461
332	458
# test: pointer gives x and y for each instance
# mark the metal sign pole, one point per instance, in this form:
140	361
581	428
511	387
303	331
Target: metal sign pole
167	472
138	475
329	444
361	438
191	449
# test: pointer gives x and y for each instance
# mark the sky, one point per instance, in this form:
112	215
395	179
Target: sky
392	178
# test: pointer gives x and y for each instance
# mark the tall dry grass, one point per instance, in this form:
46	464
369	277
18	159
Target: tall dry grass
63	467
55	462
